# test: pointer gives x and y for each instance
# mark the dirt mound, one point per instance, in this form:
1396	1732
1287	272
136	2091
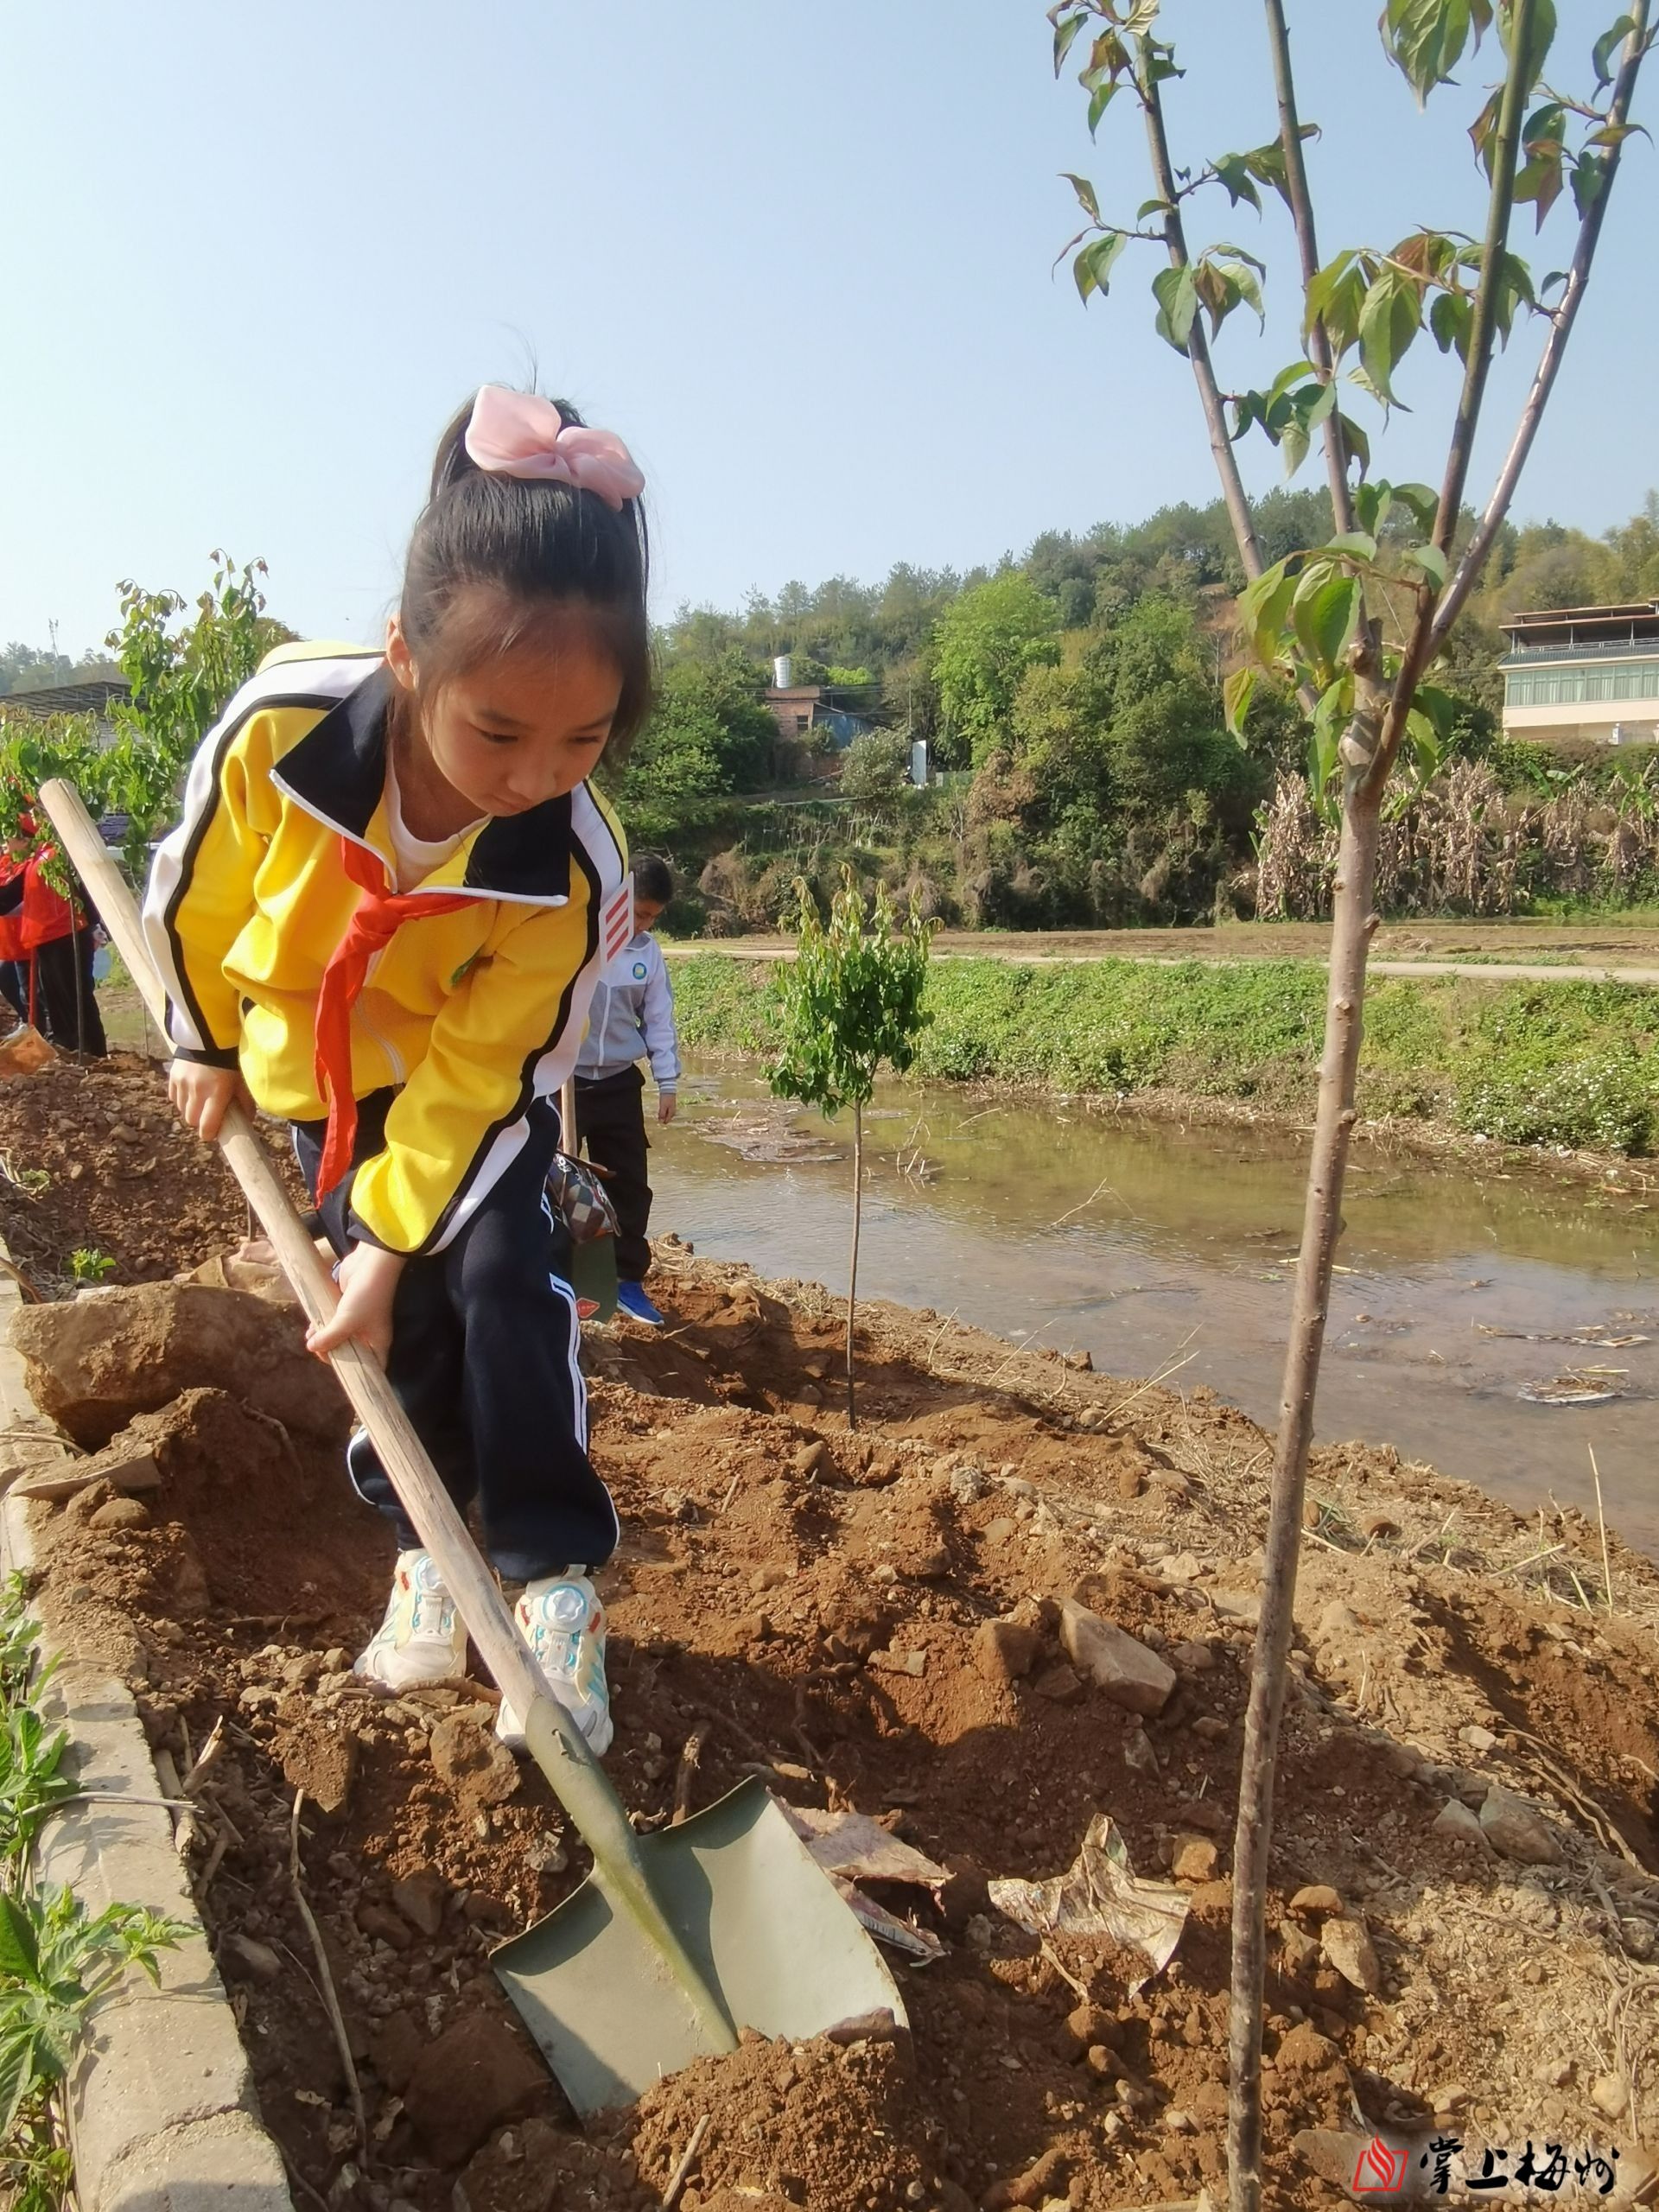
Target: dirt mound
875	1623
93	1160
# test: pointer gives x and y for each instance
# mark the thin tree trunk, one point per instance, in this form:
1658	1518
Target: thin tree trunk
852	1272
1355	925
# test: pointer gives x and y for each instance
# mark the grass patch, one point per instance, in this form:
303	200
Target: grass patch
1550	1064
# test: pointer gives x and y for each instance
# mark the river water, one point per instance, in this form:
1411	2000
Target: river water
1156	1248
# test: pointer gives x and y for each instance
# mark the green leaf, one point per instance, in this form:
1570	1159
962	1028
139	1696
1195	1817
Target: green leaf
1451	318
1233	170
1424	39
1589	181
1293	443
1085	193
1325	611
1483	133
1542	38
1607	45
1420	502
1615	134
1065	32
1357	441
1371	505
1263	608
1093	265
1441	708
1336	298
1099	100
20	1956
18	2077
1236	698
1391	317
1355	543
1425	746
1177	294
1428	560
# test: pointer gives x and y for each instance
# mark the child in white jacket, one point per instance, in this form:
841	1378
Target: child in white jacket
631	1018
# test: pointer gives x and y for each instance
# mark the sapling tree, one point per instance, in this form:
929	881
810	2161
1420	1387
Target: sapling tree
1353	627
852	1004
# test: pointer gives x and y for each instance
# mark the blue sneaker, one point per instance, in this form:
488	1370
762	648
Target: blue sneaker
631	1300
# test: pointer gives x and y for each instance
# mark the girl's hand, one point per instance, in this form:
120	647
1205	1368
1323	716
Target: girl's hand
201	1095
668	1105
368	1283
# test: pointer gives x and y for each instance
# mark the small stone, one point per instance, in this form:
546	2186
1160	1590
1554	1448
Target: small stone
1304	2051
1180	1566
1478	1739
1611	2093
1192	1658
1340	1620
756	1628
1455	1819
767	1578
1401	1759
999	1530
1554	2073
379	1922
477	2074
1513	1828
1061	1684
1300	1949
1138	1752
121	1513
1004	1650
1088	2024
1209	1728
1316	1897
1347	1946
1100	2059
468	1756
1177	2122
1243	1606
1131	1676
254	1958
1193	1858
420	1897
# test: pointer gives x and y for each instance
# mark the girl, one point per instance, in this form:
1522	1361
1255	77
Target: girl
383	917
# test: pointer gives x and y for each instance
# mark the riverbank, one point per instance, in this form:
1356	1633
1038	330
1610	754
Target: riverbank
1457	1058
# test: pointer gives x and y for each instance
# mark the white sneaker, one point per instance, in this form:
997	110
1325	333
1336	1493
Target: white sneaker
420	1639
563	1623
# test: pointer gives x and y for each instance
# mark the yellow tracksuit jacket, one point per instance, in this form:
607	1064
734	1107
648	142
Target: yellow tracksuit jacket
473	1016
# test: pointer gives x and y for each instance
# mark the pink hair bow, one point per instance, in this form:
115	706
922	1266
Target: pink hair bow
516	434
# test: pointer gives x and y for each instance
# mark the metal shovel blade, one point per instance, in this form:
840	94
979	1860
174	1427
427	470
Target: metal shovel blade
782	1951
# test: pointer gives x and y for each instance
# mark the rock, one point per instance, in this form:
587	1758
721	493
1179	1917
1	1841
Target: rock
125	1464
1512	1827
1455	1819
1177	2122
1338	1620
466	1755
1002	1530
1180	1566
1087	2025
1194	1858
1317	1896
1478	1739
24	1052
1130	1675
1304	2051
1347	1946
1192	1658
319	1756
121	1513
1139	1754
1059	1683
395	2048
1045	2177
812	1460
382	1925
1554	2074
1100	2059
1004	1650
1300	1950
1209	1728
92	1363
767	1578
420	1897
255	1959
1243	1607
1611	2093
477	2074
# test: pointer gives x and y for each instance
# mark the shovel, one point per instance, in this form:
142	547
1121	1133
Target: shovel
677	1941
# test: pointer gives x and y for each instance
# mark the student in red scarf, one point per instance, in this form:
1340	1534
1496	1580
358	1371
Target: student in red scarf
54	940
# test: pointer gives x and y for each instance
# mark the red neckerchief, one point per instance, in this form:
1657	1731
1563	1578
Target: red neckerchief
380	911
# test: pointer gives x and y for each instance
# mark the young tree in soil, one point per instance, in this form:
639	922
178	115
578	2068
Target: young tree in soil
1353	625
851	1004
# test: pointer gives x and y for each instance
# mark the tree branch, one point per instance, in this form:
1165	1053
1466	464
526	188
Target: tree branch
1232	485
1301	208
1373	774
1467	574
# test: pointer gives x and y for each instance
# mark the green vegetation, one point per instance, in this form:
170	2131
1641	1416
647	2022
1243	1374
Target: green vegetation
849	1004
1547	1064
88	1265
56	1961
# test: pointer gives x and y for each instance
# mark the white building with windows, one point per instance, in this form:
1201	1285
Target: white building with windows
1583	673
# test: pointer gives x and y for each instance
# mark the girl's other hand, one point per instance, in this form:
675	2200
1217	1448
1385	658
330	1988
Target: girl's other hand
368	1283
668	1105
201	1095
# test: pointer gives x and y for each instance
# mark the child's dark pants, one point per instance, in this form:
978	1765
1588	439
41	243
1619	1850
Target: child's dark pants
484	1361
611	1124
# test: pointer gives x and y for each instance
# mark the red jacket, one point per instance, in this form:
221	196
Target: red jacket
11	923
47	916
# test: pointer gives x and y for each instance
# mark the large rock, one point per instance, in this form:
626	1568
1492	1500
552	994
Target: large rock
477	2074
1130	1675
93	1362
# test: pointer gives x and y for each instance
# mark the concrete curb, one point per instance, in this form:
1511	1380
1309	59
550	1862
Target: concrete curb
162	2114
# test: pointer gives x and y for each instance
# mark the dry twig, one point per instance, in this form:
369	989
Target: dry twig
326	1980
676	2180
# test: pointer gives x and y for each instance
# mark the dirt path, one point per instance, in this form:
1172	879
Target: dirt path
873	1622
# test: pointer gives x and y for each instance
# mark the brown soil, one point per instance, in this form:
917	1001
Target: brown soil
780	1581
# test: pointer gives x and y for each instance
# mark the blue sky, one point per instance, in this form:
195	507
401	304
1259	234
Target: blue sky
799	257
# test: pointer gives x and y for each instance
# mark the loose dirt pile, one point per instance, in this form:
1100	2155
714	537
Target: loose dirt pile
1464	1916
